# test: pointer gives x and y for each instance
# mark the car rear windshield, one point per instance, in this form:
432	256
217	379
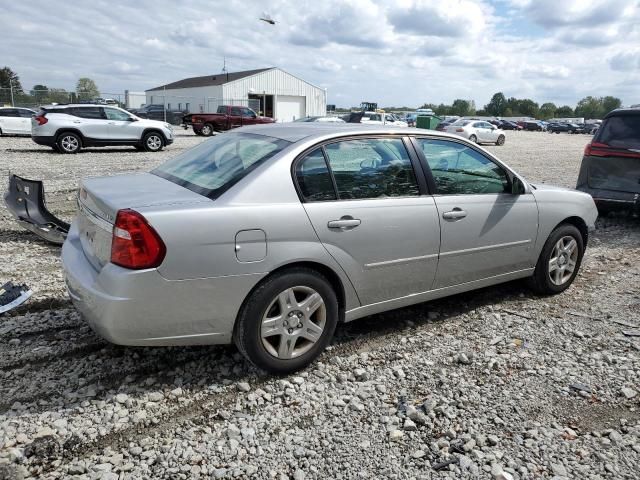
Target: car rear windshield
216	165
620	132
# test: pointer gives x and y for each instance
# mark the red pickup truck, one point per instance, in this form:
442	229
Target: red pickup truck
226	118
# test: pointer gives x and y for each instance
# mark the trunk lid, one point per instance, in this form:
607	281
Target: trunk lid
99	200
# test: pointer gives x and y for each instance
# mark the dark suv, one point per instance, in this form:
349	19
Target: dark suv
610	170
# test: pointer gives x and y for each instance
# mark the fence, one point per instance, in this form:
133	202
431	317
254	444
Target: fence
34	98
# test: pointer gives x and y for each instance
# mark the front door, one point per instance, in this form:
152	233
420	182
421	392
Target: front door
486	230
364	202
120	125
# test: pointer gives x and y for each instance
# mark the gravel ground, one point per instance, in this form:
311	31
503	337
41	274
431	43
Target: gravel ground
497	383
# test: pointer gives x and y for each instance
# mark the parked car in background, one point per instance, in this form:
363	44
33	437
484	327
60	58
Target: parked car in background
70	128
558	127
411	118
382	118
157	112
253	237
226	118
443	125
590	128
15	121
610	169
320	119
477	131
508	125
533	126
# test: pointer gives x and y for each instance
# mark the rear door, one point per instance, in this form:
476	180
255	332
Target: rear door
486	230
371	214
91	121
613	159
235	117
25	120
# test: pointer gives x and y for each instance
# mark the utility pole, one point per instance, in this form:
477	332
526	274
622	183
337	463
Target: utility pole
11	90
164	96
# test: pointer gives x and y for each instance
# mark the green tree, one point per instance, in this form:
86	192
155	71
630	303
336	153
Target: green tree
10	79
508	112
86	89
610	103
548	110
497	105
590	107
58	95
564	112
462	107
40	93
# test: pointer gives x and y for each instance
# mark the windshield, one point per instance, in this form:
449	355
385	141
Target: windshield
214	166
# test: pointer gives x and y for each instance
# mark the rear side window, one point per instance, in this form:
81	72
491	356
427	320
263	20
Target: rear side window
314	178
214	166
620	132
26	113
9	112
88	112
371	168
221	109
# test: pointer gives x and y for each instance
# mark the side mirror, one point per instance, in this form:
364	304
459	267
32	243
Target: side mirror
517	187
133	119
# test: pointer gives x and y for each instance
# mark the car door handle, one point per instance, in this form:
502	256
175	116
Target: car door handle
344	222
454	214
112	123
77	121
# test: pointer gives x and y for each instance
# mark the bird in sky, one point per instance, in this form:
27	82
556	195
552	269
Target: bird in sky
267	18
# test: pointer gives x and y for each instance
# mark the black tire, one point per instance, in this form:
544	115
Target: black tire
247	334
541	282
198	132
500	140
207	130
153	142
473	139
69	143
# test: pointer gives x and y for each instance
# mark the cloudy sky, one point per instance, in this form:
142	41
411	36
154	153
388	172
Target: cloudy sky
394	52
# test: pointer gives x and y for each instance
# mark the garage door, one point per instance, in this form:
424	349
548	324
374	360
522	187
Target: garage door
290	108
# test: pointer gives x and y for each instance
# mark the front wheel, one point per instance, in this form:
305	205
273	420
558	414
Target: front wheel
152	142
559	261
287	321
473	139
500	140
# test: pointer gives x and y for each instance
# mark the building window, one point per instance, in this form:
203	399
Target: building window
179	107
168	106
186	107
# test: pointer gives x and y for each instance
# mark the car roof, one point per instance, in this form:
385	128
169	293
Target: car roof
76	105
623	112
295	132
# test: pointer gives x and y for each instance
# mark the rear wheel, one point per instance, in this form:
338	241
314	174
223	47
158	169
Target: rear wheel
500	140
152	142
559	261
207	130
69	142
473	139
287	321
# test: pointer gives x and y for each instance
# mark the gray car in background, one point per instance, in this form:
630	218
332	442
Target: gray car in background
269	236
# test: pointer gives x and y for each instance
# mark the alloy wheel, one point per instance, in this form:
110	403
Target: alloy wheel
293	323
154	142
562	263
69	143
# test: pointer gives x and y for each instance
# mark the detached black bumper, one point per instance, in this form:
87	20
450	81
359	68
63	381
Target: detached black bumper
47	141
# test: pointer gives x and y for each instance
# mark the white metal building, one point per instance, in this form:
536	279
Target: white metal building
271	92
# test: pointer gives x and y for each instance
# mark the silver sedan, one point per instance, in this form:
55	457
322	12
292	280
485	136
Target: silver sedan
270	236
477	131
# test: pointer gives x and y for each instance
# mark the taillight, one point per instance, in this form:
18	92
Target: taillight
459	129
135	244
41	119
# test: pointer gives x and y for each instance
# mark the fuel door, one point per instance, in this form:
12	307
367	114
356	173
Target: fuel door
251	245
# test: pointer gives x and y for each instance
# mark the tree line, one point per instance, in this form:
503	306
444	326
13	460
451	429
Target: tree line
86	89
500	106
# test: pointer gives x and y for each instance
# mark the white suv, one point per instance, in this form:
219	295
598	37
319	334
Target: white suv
15	121
69	128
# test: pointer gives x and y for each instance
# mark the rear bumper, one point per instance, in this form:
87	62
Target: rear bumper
47	141
612	199
142	308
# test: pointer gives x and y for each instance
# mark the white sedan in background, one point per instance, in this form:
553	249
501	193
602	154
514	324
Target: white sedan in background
477	131
15	121
381	118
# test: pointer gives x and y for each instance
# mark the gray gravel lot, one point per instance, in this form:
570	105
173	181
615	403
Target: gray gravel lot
500	383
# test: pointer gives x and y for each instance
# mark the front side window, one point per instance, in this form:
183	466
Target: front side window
314	178
214	166
24	113
371	168
460	170
119	115
247	112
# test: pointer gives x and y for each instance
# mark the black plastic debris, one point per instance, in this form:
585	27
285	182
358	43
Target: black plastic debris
25	200
444	464
13	295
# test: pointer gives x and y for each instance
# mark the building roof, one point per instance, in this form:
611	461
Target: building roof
209	80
